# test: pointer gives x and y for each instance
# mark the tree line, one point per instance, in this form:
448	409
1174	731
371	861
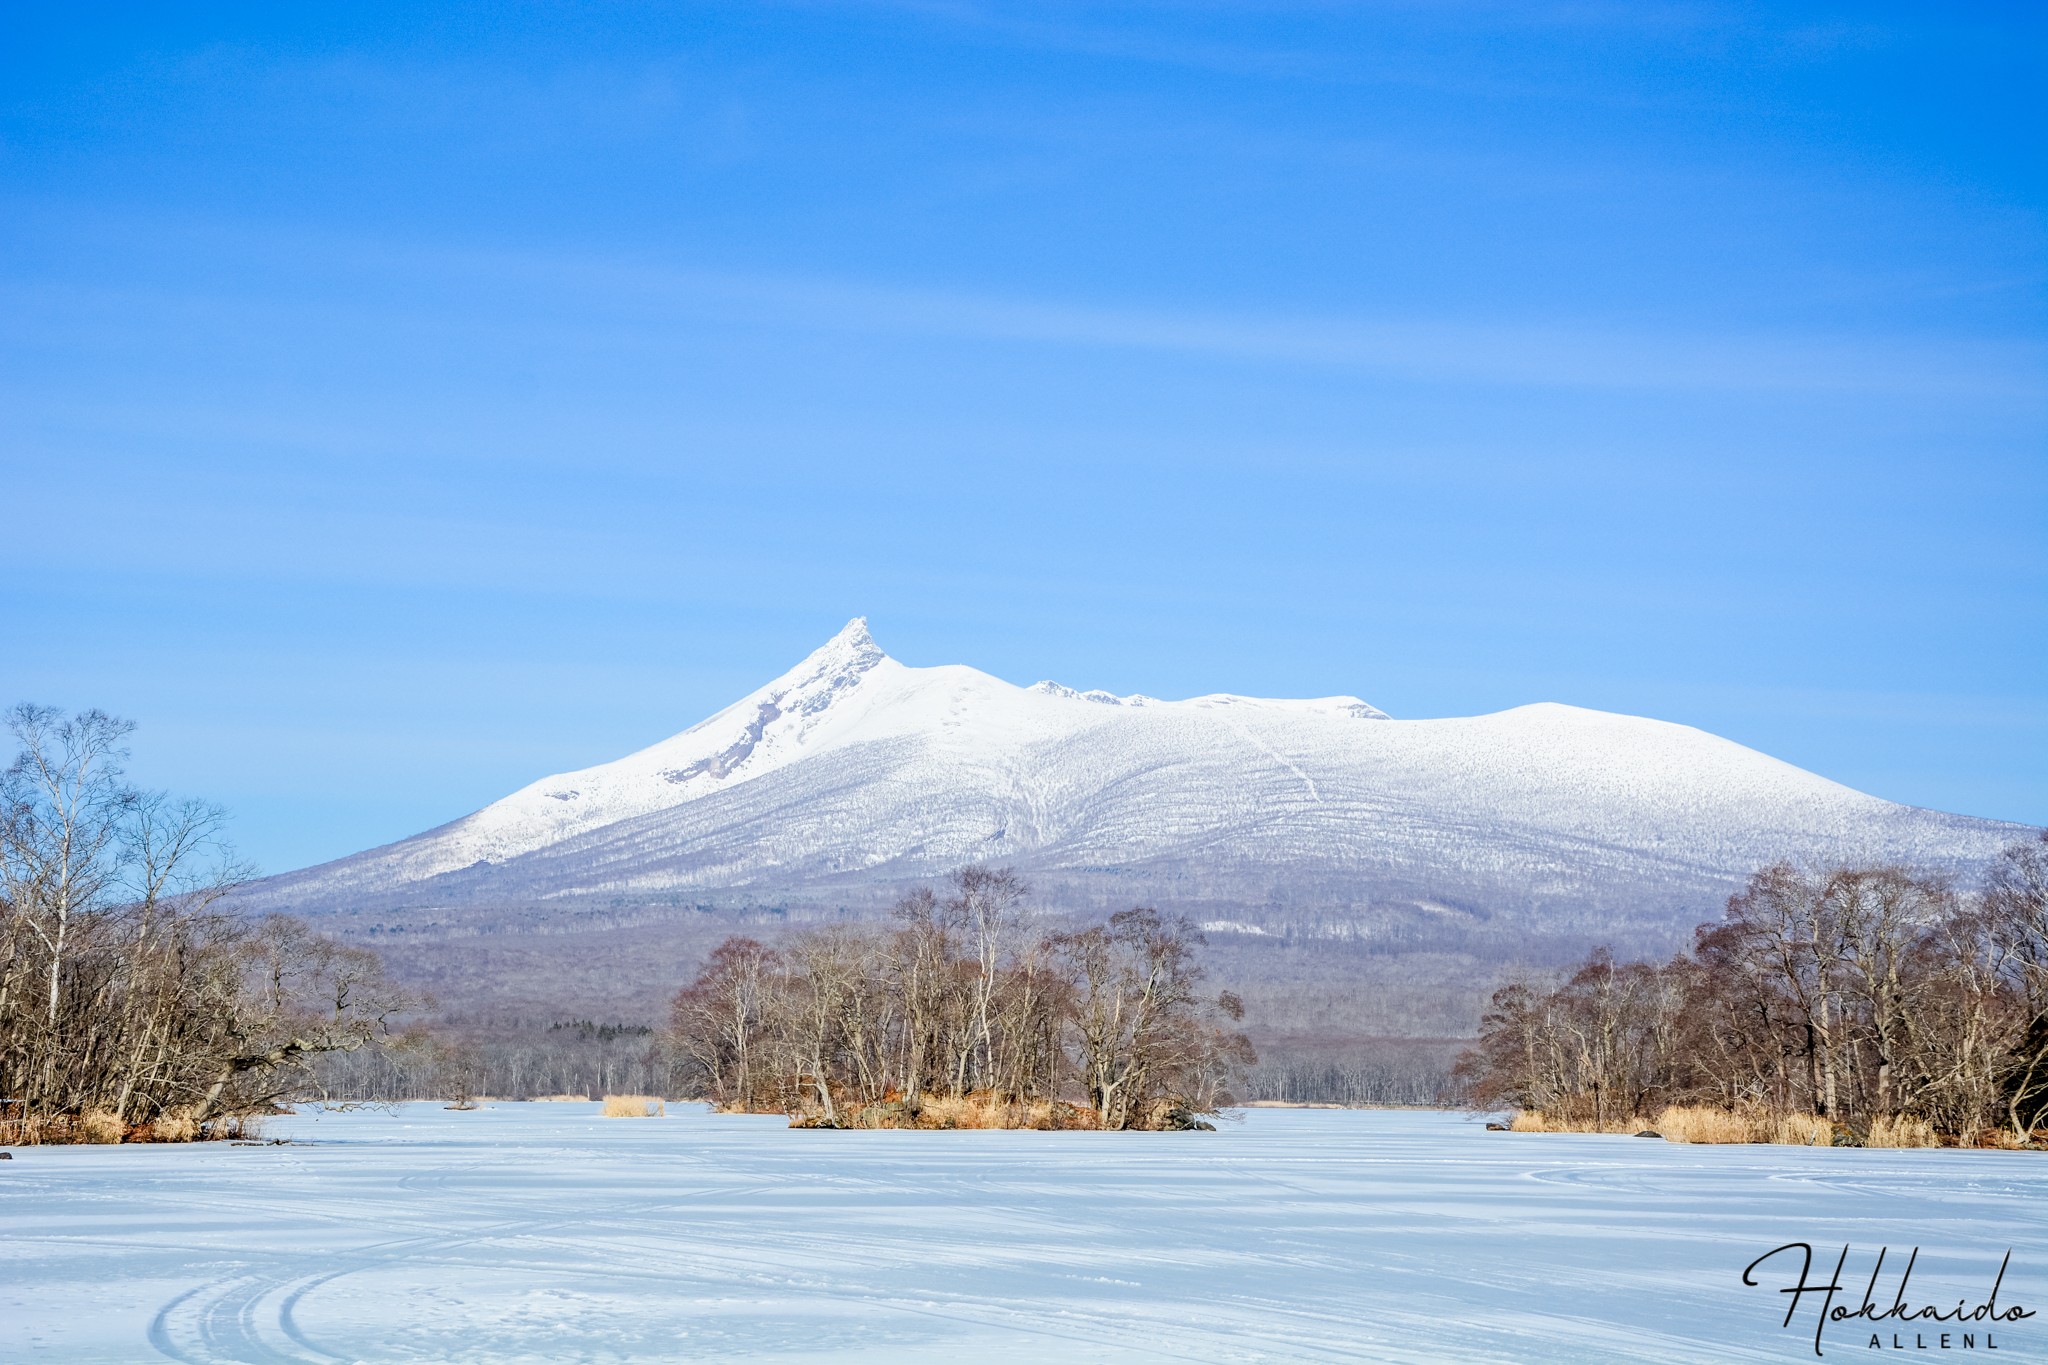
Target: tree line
961	999
504	1058
1400	1072
1857	995
131	1004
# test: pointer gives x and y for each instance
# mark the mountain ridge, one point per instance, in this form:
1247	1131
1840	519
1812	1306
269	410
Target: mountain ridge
853	773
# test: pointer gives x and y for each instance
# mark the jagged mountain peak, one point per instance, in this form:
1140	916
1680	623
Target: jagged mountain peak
853	765
853	645
827	673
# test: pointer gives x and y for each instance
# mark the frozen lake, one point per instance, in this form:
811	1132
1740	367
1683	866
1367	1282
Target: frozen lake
543	1232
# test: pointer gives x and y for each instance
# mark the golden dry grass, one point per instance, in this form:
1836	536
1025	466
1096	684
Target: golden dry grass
1536	1121
985	1111
173	1127
1049	1114
634	1107
1802	1130
97	1125
977	1110
965	1111
1693	1124
1901	1132
1702	1124
1698	1123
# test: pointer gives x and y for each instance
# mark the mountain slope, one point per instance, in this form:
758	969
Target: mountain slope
853	772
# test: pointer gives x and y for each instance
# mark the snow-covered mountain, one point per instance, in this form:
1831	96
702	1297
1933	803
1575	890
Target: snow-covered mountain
852	773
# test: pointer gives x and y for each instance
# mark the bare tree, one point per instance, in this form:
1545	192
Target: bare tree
2015	932
124	993
300	995
1137	1021
1860	995
926	976
718	1023
959	1003
986	909
66	810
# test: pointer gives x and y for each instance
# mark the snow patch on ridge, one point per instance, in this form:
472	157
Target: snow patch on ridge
1049	688
1335	706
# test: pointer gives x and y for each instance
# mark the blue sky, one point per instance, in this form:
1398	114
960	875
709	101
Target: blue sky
397	404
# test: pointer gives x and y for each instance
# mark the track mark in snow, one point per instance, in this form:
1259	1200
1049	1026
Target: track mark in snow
1282	759
225	1321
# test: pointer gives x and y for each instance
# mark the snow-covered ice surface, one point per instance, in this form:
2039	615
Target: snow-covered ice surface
543	1232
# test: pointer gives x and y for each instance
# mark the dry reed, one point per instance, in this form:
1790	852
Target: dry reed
173	1126
100	1126
978	1109
634	1107
1536	1121
1695	1123
1803	1130
964	1111
97	1125
1901	1132
1706	1125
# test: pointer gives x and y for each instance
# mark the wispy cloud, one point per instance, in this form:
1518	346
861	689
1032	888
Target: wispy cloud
1547	355
540	293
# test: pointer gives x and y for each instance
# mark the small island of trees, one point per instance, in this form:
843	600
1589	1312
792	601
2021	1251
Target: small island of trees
959	1015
